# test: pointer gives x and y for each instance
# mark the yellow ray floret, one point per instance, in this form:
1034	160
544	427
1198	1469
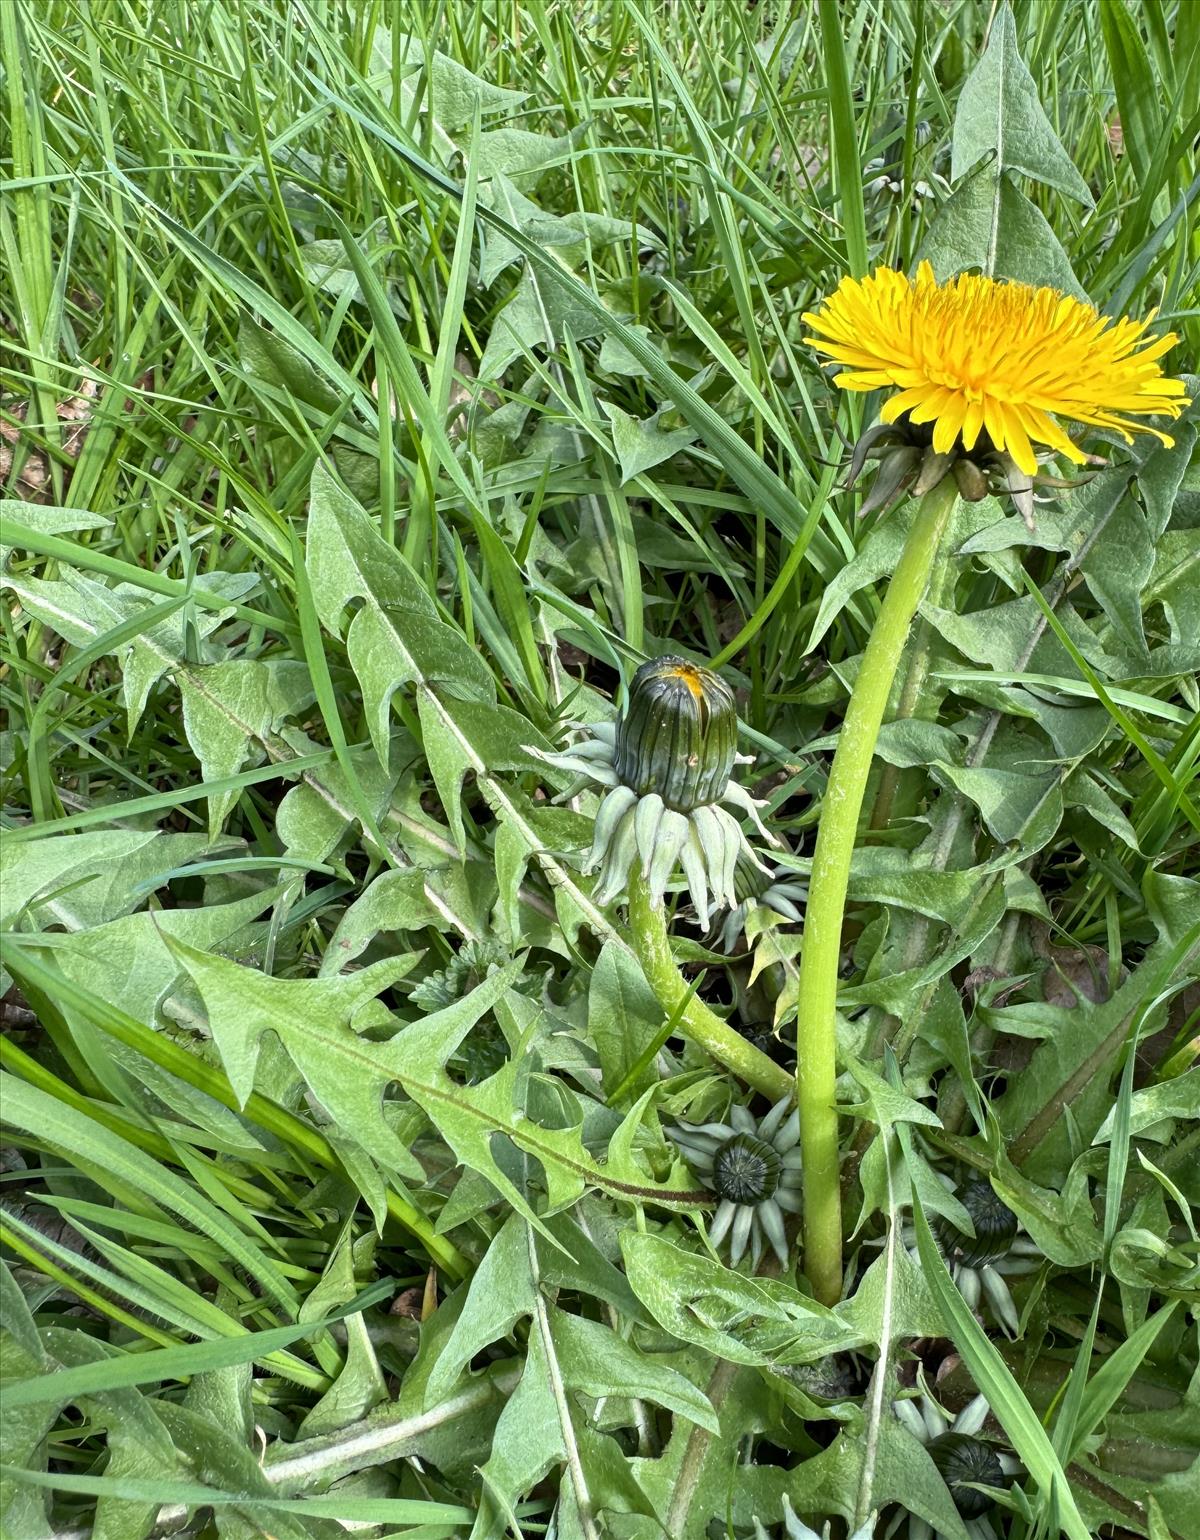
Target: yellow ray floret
974	355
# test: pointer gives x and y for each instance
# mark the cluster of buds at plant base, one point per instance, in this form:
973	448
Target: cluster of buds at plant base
666	767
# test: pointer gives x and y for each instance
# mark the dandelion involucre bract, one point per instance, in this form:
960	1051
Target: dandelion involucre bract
976	356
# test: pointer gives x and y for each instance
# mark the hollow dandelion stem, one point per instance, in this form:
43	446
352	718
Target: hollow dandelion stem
838	830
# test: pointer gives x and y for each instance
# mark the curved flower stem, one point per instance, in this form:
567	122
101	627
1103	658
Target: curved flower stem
652	947
817	1002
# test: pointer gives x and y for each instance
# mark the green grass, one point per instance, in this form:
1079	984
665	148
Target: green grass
379	384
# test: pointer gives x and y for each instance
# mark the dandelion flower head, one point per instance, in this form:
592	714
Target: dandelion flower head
975	356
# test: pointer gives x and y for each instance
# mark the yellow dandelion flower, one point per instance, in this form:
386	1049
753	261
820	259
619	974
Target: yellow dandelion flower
974	356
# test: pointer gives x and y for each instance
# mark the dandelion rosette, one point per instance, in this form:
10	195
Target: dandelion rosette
754	1170
666	768
981	372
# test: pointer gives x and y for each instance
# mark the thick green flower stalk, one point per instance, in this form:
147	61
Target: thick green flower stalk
979	373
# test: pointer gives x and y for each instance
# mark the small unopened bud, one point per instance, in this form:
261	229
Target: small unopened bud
934	468
669	800
961	1459
995	1227
972	483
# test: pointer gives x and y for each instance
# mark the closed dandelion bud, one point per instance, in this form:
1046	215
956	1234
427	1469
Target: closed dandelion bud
679	736
669	798
995	1227
960	1458
972	481
963	1460
745	1169
752	1167
981	1263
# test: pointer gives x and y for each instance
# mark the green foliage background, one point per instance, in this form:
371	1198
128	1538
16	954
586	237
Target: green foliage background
378	385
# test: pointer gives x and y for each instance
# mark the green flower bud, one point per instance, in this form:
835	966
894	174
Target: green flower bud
972	481
995	1227
668	797
753	1166
960	1459
679	736
746	1169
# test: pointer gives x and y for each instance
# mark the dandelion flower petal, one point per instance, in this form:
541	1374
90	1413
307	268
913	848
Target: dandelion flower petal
975	355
